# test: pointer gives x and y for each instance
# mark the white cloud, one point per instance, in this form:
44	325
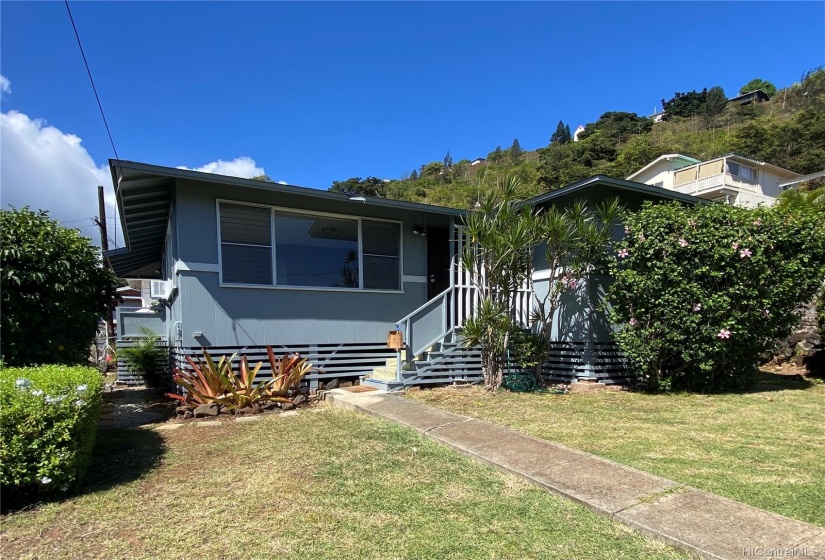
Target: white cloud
5	84
48	169
239	167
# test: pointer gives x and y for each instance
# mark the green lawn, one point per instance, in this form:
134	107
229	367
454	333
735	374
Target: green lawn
327	484
764	447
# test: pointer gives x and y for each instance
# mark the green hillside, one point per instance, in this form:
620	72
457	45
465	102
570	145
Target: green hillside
788	130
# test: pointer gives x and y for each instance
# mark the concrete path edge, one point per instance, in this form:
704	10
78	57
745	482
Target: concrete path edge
667	513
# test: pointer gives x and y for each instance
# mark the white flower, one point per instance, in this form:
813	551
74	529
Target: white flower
53	400
81	388
22	383
37	392
45	480
78	402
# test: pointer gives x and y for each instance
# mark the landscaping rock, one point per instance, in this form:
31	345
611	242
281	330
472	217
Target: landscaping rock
188	414
334	384
346	384
268	405
287	406
181	410
207	410
299	400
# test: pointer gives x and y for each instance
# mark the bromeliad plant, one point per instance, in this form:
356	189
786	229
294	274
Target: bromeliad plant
210	382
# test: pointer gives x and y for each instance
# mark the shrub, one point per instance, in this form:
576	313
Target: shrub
48	420
701	292
145	357
53	290
216	382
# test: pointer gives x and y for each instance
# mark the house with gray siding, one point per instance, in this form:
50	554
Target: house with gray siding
241	264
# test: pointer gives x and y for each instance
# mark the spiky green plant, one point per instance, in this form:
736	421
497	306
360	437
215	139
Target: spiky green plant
209	381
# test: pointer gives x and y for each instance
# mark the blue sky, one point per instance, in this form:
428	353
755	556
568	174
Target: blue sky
316	92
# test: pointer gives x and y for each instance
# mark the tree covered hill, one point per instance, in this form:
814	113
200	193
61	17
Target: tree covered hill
788	130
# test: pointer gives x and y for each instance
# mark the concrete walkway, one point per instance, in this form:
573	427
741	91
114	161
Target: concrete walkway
696	521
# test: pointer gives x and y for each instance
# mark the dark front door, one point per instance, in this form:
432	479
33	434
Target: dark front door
438	261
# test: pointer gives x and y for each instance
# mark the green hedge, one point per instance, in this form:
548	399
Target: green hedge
48	420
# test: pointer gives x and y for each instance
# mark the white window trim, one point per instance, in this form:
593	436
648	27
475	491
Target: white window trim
281	209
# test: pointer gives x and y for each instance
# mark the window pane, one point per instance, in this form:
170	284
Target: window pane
245	264
381	273
381	238
382	255
245	224
316	251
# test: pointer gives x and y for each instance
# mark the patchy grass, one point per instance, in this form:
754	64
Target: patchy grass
330	484
763	447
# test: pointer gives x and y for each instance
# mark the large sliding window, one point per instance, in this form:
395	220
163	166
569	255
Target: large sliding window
311	250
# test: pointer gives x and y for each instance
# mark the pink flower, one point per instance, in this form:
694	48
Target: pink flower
745	253
683	243
623	253
692	223
766	313
641	238
633	322
723	334
697	306
757	222
735	245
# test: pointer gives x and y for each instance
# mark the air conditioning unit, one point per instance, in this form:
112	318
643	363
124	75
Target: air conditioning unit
159	289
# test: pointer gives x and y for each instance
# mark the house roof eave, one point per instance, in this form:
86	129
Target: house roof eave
618	184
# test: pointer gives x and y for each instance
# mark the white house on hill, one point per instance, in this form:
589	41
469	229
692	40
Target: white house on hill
731	178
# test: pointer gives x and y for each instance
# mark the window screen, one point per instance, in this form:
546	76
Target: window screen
246	244
382	255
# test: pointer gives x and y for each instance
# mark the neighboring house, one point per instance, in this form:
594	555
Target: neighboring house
755	96
731	178
245	263
658	116
579	130
478	161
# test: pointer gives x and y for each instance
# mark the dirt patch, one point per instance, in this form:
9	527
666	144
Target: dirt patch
130	407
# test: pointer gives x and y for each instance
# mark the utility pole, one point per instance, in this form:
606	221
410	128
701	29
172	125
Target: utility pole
104	246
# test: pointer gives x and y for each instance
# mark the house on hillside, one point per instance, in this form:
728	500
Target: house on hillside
242	264
478	161
732	178
755	96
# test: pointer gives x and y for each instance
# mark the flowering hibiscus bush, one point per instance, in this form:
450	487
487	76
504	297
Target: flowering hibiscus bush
48	419
701	292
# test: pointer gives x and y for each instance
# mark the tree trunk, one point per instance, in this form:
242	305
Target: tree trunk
493	373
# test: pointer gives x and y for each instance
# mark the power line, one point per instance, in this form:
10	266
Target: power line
88	71
97	97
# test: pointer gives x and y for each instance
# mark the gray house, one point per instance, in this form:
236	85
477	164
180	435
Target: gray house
239	264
